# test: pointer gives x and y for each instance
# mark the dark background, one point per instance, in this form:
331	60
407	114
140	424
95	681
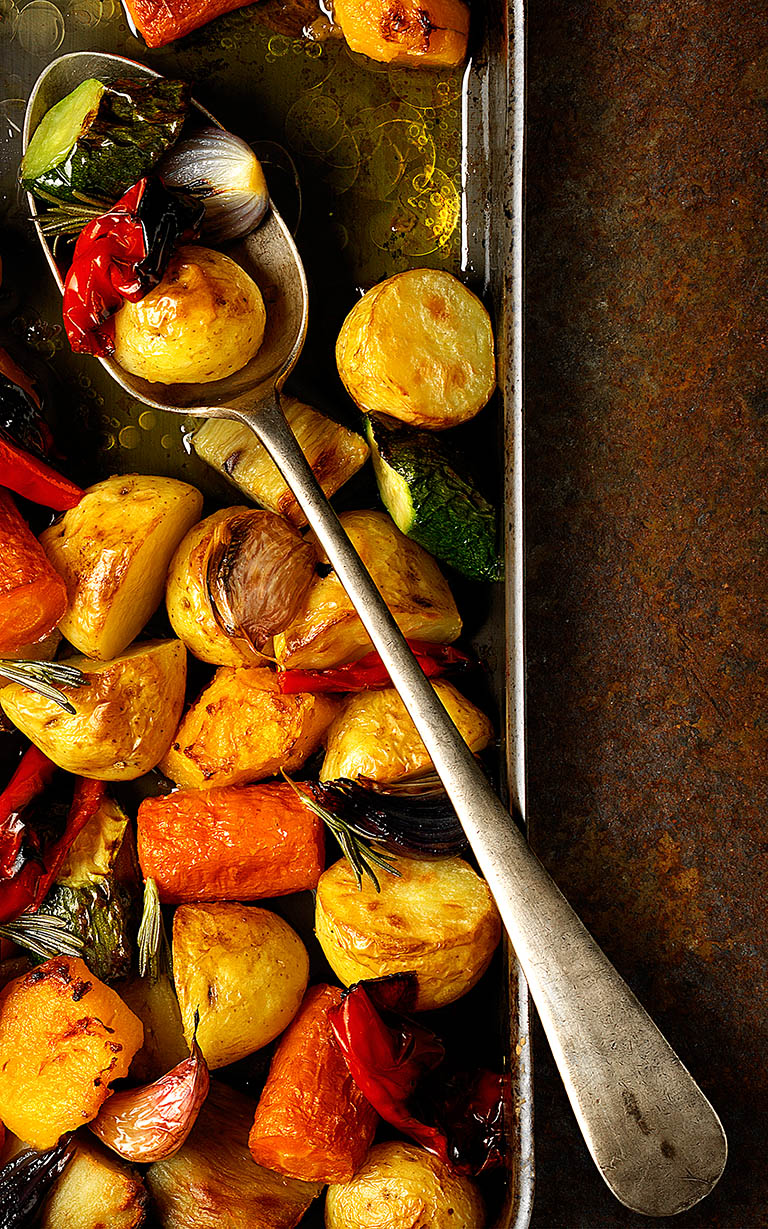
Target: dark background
647	413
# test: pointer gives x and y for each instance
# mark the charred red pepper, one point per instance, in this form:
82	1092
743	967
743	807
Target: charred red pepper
120	256
370	671
27	476
25	440
27	866
399	1065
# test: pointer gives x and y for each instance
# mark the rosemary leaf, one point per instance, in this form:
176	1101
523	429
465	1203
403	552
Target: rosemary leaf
43	677
42	934
154	952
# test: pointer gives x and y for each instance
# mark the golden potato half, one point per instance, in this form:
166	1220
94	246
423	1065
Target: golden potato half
373	736
243	969
437	919
124	719
327	630
188	603
113	552
241	729
204	321
401	1186
419	347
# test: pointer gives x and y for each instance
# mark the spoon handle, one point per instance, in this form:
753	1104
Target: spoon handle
651	1131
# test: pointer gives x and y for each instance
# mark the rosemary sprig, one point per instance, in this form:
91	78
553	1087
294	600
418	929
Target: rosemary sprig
68	217
43	677
356	844
43	934
154	950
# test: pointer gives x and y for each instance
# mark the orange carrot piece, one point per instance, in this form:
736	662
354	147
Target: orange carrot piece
161	21
243	842
33	597
312	1121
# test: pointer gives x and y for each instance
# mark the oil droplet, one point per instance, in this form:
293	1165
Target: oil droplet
129	437
147	420
40	28
167	442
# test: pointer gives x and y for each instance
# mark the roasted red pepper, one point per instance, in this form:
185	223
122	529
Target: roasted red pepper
398	1065
25	440
119	257
27	476
370	671
27	870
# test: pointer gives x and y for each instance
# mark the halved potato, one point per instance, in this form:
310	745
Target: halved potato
113	552
437	919
243	969
188	602
334	453
419	347
124	720
373	736
212	1182
401	1186
328	632
240	729
97	1189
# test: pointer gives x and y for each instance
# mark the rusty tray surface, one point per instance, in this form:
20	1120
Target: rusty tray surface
398	169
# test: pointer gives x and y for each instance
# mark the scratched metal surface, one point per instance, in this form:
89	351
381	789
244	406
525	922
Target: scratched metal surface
647	416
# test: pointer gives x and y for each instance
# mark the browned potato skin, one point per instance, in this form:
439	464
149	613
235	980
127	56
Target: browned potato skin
113	551
401	1186
213	1181
419	347
373	736
437	920
328	631
96	1190
124	719
241	729
243	969
188	605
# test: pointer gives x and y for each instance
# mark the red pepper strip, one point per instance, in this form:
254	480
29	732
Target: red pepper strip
26	475
29	887
370	671
33	774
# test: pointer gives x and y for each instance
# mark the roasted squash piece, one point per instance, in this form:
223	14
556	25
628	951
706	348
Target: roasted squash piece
64	1036
243	970
113	551
373	736
241	729
423	33
328	632
334	453
436	919
213	1183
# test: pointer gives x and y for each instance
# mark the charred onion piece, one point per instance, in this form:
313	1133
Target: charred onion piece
151	1123
259	568
414	819
26	1181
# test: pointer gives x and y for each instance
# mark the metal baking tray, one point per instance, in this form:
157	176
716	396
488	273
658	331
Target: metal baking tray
397	169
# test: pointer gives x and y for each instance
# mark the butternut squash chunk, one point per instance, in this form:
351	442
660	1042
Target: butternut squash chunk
423	33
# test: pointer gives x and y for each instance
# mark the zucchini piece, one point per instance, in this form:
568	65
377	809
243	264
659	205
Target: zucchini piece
431	502
95	143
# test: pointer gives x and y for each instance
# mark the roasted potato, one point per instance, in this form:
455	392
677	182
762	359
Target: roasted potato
153	1000
418	33
401	1186
213	1182
418	347
241	729
188	600
64	1037
437	919
328	632
373	736
204	321
334	452
113	551
97	1190
243	969
124	720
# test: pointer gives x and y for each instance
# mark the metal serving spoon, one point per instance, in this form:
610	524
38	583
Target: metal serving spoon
651	1131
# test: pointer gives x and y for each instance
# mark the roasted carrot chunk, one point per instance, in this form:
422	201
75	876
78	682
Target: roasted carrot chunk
431	33
161	21
312	1121
232	843
33	597
64	1036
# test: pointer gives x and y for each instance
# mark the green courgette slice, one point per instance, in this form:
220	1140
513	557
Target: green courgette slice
95	143
432	502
